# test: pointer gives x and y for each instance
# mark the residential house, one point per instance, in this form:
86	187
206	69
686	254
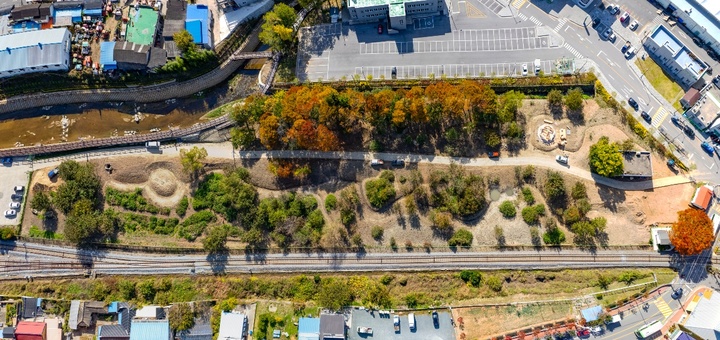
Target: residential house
31	307
636	164
54	329
199	23
35	51
84	313
201	330
129	56
233	326
147	329
703	196
92	10
309	329
332	327
121	330
674	57
690	98
38	12
112	332
8	333
175	14
28	330
142	27
67	13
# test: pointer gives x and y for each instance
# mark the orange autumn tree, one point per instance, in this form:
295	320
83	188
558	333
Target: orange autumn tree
692	233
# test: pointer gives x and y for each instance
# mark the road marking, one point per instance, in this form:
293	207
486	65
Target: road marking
660	116
518	3
642	101
611	77
560	24
536	21
573	51
711	166
599	53
663	307
522	16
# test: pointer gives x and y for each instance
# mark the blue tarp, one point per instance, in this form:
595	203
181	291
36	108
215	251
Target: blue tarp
25	26
592	313
93	12
107	60
196	22
74	13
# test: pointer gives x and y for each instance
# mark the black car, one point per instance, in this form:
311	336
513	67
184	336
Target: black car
633	103
677	294
394	73
436	319
689	131
646	116
398	163
595	22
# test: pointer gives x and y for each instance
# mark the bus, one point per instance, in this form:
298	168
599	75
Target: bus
649	329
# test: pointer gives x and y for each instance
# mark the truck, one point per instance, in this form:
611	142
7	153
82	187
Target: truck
365	330
411	321
537	66
494	154
53	173
396	323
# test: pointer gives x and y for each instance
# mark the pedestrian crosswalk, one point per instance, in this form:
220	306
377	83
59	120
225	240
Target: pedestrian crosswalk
522	17
663	307
535	20
659	116
573	51
658	21
518	3
560	25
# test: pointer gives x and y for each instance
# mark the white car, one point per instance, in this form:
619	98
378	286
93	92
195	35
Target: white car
10	213
524	69
15	205
607	33
376	162
625	16
19	188
562	159
634	25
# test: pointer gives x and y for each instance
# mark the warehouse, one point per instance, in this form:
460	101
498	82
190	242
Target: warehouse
35	51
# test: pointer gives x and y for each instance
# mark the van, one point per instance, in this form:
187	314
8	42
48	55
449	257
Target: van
629	53
152	145
411	321
537	66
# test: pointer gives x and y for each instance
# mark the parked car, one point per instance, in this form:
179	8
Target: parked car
708	148
613	9
53	173
19	188
634	25
436	319
7	161
677	293
676	120
633	103
398	163
10	213
16	197
376	162
624	17
393	73
561	159
606	34
494	154
15	205
625	47
524	70
689	131
380	28
630	52
583	333
152	145
595	22
646	116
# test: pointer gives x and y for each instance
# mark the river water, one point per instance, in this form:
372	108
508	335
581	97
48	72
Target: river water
98	120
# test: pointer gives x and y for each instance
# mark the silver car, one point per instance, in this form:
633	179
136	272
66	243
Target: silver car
10	213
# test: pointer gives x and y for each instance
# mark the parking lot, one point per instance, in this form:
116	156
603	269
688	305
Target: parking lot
383	326
474	41
10	180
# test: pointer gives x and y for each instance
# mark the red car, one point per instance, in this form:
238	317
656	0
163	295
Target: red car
583	333
380	28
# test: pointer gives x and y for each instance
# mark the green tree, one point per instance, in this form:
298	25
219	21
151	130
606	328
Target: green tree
572	215
553	235
555	98
579	191
181	317
583	230
379	192
41	201
555	188
330	202
192	160
277	30
334	294
492	139
216	239
600	224
7	233
461	238
605	158
510	102
574	100
495	283
471	277
377	232
184	41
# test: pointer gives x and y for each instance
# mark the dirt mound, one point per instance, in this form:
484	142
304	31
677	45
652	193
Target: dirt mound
163	182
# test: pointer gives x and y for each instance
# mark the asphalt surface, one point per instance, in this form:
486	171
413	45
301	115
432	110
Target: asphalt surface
383	328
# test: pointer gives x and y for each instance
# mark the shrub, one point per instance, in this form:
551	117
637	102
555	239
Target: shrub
554	236
628	277
377	232
507	208
457	192
8	233
393	243
579	191
388	175
571	215
555	188
130	200
493	282
471	277
528	173
330	202
182	206
528	195
461	238
530	215
379	192
194	225
440	219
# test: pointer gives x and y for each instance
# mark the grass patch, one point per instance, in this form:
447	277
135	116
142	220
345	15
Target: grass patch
36	231
662	82
272	315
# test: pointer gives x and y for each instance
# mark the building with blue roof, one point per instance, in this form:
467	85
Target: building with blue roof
142	329
702	17
591	314
67	13
674	57
309	329
107	62
198	22
35	51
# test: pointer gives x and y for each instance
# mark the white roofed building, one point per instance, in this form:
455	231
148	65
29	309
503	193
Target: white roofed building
34	51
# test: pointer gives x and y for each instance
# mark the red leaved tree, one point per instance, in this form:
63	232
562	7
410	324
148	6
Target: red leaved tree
692	233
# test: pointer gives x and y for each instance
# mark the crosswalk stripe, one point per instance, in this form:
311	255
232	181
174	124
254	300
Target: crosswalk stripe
663	307
573	51
522	16
659	116
560	24
535	20
518	3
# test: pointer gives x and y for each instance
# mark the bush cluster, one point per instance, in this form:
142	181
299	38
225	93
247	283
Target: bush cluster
193	226
131	222
133	201
379	191
457	192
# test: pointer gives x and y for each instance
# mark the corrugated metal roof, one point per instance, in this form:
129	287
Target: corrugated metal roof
112	331
74	314
309	325
34	49
232	326
196	23
69	12
150	330
108	63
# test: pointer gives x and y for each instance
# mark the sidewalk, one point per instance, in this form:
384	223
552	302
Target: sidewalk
678	314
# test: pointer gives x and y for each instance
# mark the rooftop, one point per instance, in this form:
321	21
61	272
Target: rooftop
663	37
702	197
112	331
706	109
197	23
141	29
705	13
637	164
232	326
150	330
332	326
308	329
705	319
29	328
591	314
684	58
397	9
373	3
